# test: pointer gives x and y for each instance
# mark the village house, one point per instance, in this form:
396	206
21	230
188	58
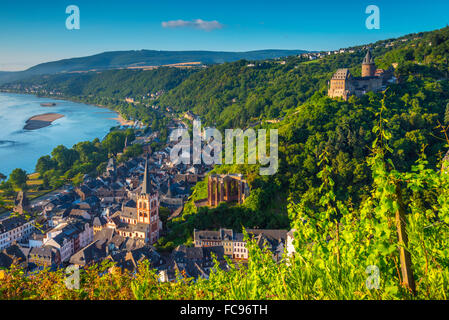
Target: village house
14	254
234	244
15	229
192	262
46	256
126	253
69	237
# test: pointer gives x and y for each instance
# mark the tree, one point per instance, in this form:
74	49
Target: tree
115	142
78	179
7	188
64	157
2	176
101	168
18	178
130	134
44	164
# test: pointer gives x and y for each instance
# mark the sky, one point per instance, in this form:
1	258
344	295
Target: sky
33	32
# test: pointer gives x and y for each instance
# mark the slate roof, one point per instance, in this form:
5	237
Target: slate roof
341	74
11	223
129	212
206	234
139	227
105	234
46	252
13	253
272	234
93	253
130	259
99	221
369	59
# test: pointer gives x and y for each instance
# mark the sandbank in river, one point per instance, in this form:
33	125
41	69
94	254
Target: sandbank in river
41	121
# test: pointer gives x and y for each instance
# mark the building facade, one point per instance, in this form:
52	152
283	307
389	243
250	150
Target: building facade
234	244
14	229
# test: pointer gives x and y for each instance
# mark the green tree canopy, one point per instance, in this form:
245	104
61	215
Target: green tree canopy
18	178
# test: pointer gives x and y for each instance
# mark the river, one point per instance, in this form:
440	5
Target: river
21	148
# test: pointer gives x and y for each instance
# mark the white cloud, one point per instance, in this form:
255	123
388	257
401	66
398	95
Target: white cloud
197	24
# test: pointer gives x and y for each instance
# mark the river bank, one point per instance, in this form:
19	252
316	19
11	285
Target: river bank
123	121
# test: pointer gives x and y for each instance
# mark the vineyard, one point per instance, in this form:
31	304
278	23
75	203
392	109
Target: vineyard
382	250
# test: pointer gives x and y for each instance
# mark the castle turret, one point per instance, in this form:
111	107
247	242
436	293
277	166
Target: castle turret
368	65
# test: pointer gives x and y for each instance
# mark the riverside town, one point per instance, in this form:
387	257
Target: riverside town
231	159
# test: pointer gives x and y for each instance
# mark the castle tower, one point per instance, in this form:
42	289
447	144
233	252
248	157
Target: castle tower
368	65
148	206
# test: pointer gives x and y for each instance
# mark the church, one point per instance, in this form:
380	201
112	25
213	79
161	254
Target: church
139	218
343	84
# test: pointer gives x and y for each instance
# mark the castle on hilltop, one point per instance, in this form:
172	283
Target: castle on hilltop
343	84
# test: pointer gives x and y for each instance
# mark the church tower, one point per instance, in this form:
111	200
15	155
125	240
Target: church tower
368	65
148	206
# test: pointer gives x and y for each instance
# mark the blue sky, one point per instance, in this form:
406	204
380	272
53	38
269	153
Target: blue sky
32	32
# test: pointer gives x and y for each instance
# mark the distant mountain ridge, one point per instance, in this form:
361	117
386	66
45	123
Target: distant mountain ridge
123	59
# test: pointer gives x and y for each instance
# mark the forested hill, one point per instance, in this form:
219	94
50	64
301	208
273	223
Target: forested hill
123	59
237	94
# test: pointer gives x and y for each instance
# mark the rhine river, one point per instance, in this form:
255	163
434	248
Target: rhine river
21	148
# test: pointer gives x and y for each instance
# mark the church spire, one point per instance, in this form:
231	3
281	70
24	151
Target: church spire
146	184
169	193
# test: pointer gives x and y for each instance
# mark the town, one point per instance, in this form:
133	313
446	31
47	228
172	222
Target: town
115	217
